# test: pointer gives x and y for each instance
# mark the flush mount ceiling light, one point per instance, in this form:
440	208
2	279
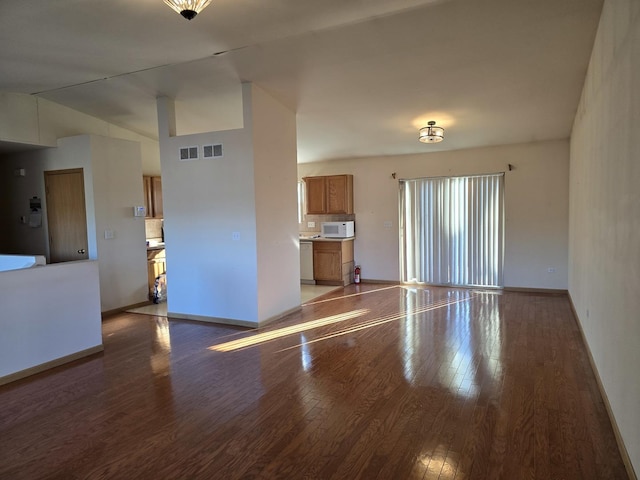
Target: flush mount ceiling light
188	8
431	134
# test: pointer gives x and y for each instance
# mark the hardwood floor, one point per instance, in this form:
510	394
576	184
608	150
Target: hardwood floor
377	382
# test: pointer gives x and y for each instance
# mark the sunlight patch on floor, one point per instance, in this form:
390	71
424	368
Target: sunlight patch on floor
283	332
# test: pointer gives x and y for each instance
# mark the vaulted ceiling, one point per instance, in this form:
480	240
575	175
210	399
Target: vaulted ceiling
362	75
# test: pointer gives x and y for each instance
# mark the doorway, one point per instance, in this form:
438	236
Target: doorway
66	215
452	230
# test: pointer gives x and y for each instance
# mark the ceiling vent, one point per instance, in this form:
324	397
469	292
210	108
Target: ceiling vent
212	151
188	153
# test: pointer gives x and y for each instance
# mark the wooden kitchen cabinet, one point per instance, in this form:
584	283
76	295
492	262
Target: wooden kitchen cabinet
153	196
315	188
156	197
148	201
333	262
331	194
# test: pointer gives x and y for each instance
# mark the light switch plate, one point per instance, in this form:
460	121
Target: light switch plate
235	235
108	234
311	224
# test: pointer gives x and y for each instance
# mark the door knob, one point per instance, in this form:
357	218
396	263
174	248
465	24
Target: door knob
81	251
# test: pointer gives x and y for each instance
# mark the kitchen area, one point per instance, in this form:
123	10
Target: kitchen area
327	231
154	233
327	235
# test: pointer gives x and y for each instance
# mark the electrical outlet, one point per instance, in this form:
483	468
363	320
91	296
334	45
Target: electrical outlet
235	235
311	224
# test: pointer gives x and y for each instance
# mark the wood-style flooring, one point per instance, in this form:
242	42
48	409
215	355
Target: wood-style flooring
369	382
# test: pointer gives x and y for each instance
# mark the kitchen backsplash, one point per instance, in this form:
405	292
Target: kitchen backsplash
318	219
153	228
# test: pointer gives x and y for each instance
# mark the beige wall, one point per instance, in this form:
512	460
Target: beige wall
275	177
536	204
604	234
117	188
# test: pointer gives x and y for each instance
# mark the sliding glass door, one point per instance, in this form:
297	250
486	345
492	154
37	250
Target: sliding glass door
452	230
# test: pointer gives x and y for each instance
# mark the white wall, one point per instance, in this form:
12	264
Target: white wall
47	313
36	121
250	191
536	203
604	234
275	180
209	274
113	185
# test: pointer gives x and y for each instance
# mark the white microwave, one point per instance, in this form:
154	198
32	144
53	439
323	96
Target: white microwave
337	229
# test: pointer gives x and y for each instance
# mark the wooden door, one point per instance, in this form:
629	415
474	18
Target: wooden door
66	215
315	188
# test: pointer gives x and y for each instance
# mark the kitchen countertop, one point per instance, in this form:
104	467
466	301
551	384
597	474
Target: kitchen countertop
155	246
323	239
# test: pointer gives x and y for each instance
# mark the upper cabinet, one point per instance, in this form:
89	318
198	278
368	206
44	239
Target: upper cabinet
329	195
153	196
316	192
156	196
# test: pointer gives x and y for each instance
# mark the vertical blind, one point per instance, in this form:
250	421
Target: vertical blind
452	230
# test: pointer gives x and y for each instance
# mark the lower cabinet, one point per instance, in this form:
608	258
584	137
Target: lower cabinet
156	265
333	262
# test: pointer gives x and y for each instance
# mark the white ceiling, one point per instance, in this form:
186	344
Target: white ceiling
362	75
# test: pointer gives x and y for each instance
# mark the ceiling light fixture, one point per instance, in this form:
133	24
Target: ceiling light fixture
188	8
431	134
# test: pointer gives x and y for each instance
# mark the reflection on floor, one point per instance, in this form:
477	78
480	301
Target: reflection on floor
307	293
158	309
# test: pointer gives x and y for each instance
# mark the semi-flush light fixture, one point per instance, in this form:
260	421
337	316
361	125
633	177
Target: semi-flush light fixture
188	8
431	134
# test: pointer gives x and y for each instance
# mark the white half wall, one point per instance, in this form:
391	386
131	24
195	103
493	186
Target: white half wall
536	206
48	312
604	234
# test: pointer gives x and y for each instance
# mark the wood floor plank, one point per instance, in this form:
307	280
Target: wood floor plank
372	382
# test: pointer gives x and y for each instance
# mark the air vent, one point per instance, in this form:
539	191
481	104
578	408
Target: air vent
188	153
212	151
